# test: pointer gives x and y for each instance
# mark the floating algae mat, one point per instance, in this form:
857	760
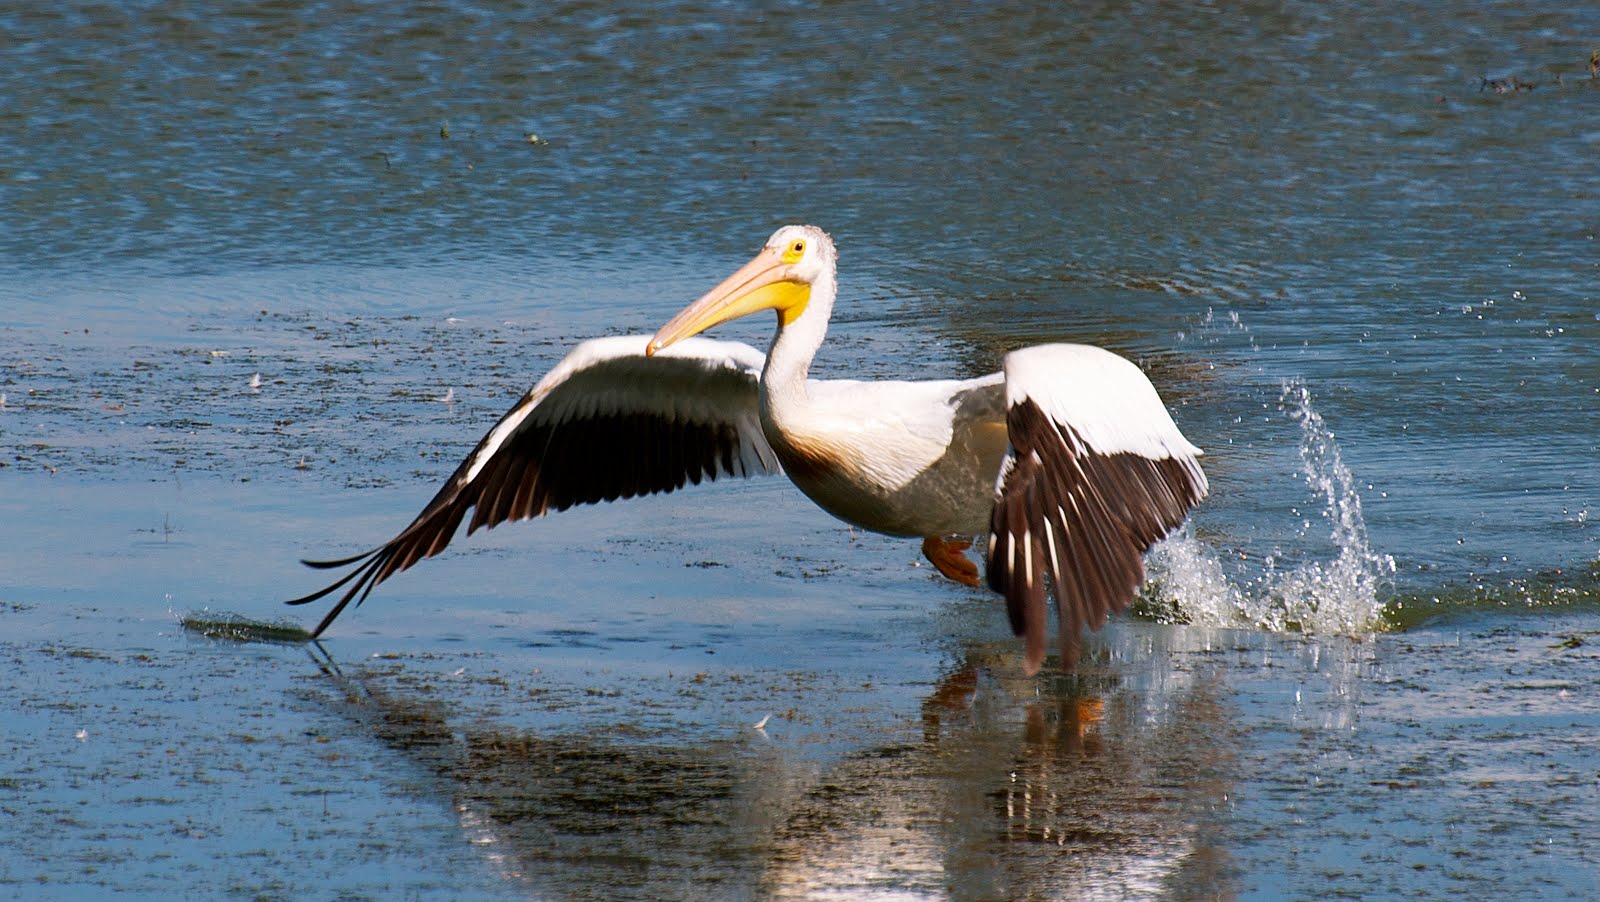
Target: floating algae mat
239	628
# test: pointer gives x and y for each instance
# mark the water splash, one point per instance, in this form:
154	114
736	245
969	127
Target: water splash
1282	591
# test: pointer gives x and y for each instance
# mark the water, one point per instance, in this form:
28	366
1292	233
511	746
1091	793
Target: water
246	254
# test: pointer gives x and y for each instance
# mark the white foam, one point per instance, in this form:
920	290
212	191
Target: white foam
1195	583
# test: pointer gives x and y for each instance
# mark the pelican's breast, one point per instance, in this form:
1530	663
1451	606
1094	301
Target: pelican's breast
902	458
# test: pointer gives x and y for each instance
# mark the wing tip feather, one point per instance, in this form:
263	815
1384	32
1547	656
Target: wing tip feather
1121	503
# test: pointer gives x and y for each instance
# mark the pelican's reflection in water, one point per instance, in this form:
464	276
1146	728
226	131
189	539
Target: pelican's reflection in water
1092	786
1105	784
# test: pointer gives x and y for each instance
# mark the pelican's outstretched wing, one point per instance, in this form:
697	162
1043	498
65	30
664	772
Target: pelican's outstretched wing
1095	474
606	423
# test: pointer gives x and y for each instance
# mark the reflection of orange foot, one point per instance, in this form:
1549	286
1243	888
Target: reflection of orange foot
948	557
953	695
1088	713
955	691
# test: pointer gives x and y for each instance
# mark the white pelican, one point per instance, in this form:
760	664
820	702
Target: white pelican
1067	459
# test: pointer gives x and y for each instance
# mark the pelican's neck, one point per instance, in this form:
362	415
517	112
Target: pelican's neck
783	379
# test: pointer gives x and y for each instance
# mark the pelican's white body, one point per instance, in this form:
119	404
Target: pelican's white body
908	458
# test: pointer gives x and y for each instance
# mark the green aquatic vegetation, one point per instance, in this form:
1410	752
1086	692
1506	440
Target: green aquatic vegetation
236	628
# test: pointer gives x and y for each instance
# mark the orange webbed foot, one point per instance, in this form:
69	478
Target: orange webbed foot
948	557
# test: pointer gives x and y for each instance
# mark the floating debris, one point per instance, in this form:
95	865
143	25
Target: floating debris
1506	85
237	628
1576	640
1515	84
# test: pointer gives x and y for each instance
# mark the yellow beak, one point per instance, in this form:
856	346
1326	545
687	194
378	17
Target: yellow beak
765	283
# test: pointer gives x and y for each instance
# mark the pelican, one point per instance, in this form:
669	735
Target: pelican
1067	459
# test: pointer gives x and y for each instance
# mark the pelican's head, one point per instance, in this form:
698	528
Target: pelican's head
780	278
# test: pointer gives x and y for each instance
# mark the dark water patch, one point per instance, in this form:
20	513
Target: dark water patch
263	405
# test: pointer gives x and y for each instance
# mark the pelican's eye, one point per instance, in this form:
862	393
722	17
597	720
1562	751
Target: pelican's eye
795	250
